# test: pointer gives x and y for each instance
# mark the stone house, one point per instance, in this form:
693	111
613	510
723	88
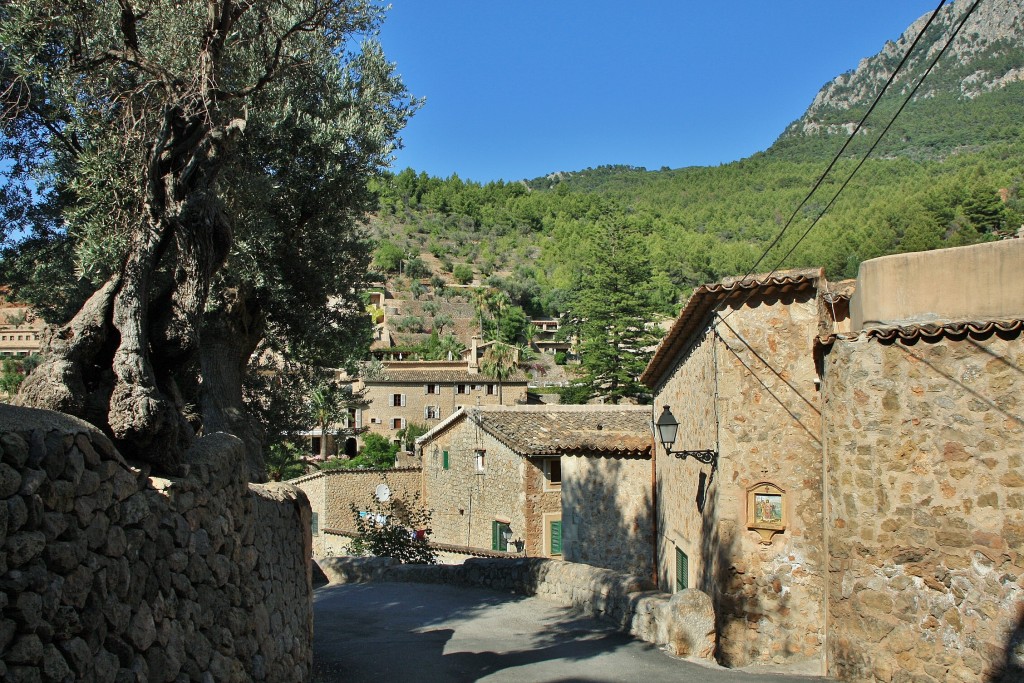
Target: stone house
607	497
493	475
737	371
20	330
427	392
331	496
861	509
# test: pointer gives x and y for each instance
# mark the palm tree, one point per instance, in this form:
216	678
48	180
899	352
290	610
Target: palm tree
324	409
499	363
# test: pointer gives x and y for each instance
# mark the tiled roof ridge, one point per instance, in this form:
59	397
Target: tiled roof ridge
566	407
350	470
931	331
558	444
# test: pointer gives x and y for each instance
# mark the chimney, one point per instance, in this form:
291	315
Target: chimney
474	350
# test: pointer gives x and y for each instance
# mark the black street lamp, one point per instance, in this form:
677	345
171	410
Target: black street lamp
668	427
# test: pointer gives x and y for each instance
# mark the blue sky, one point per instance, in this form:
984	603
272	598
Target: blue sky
520	89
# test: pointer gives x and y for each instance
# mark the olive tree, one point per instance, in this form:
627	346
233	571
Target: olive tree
197	169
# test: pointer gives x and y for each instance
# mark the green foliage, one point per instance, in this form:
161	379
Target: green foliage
14	370
463	274
560	358
575	394
388	256
396	528
408	435
284	461
378	453
499	363
417	268
614	312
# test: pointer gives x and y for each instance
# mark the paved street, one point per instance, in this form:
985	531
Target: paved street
419	632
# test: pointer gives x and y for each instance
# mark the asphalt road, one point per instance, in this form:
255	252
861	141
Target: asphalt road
385	632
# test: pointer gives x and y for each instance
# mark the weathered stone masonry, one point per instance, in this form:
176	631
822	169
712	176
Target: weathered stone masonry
108	574
924	442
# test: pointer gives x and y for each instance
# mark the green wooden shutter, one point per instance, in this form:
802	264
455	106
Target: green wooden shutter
315	523
444	459
682	570
556	537
495	534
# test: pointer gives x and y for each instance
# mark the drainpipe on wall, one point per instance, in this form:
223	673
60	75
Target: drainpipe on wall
654	498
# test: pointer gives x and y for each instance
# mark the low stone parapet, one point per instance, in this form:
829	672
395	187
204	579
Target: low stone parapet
683	622
108	573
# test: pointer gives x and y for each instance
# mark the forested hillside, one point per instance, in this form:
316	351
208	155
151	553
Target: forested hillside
948	173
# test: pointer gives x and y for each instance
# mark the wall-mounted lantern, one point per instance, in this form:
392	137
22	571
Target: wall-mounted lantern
667	427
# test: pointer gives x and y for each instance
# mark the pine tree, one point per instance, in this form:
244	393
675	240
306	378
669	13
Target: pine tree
613	310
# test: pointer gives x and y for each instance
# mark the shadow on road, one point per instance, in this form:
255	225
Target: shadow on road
440	633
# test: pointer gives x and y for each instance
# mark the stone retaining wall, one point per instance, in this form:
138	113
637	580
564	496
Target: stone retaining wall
684	621
108	574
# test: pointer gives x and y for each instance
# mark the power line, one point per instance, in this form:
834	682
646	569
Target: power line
885	130
846	144
906	101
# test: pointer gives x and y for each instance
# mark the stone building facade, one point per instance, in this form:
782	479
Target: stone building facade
496	469
865	509
108	573
737	370
20	330
427	392
924	439
608	507
333	493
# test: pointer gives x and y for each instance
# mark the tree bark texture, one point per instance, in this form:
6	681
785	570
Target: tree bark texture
230	337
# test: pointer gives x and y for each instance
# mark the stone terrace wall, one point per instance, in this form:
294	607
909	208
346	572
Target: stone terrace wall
925	455
109	574
331	495
684	622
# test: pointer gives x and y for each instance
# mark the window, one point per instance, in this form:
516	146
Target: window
555	536
398	423
432	412
480	459
682	570
444	460
315	523
397	400
461	388
552	473
500	534
491	390
433	389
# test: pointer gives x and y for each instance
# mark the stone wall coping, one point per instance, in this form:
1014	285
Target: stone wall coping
317	475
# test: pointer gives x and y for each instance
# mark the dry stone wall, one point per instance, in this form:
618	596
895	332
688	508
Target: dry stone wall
107	574
925	454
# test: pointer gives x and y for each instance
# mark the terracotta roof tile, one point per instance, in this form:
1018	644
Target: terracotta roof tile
932	332
554	429
441	375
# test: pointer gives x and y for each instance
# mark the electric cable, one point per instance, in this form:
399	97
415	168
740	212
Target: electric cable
835	197
846	144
